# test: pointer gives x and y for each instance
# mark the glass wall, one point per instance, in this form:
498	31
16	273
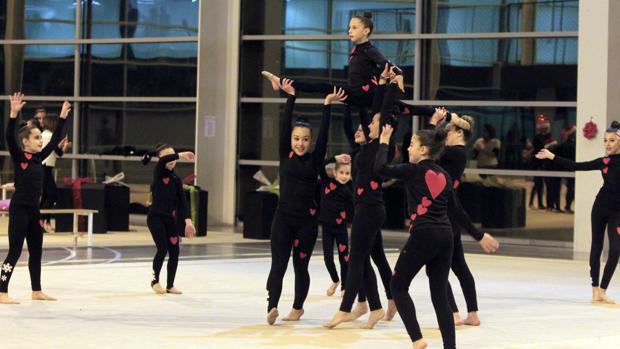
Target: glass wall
505	63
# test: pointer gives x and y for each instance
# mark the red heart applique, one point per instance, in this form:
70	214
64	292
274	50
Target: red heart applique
174	240
456	184
374	185
360	191
302	255
23	165
413	216
332	186
290	155
366	88
339	221
327	191
421	210
605	170
312	211
606	160
166	180
394	273
426	202
618	230
346	258
342	247
343	214
436	182
295	242
406	111
28	156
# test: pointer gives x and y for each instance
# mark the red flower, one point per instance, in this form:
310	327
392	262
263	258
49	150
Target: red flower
590	129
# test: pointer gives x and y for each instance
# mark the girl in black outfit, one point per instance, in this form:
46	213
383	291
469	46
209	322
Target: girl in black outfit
369	209
168	202
453	161
430	197
294	223
336	210
25	220
605	211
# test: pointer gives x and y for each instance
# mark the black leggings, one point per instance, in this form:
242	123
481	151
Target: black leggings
462	272
367	222
570	193
50	195
385	271
554	185
164	231
24	223
298	234
539	186
432	248
604	216
340	236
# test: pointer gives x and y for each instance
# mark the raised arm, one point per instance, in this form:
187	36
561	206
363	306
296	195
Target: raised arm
163	161
596	164
381	167
17	103
286	119
57	135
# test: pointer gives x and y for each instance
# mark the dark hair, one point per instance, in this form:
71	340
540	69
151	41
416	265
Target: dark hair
615	126
24	132
366	20
146	158
40	109
49	122
490	130
434	140
302	122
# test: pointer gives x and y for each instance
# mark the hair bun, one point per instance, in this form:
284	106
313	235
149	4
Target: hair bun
368	14
615	124
146	158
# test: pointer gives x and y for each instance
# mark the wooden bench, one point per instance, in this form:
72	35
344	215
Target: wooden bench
76	212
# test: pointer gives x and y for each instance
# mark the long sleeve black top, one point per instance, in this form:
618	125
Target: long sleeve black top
365	61
610	170
336	199
299	174
430	196
453	160
168	194
28	167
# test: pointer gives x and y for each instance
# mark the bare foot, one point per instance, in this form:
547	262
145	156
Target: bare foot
294	315
360	309
158	289
5	299
272	316
419	344
472	319
373	318
332	288
457	319
339	318
391	310
40	296
274	79
596	298
604	298
174	290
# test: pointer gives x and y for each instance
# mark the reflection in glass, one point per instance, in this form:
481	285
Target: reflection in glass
153	69
507	69
49	19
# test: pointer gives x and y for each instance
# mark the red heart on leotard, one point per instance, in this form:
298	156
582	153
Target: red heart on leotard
332	186
342	247
605	170
606	160
426	202
166	180
374	185
421	210
343	214
366	88
413	216
327	190
436	182
406	111
456	184
28	156
174	240
290	155
360	191
23	165
339	221
346	258
295	242
302	255
618	230
312	211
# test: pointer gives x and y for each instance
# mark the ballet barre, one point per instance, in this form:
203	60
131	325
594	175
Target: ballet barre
76	212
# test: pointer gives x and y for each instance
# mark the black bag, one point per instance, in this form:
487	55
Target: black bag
258	213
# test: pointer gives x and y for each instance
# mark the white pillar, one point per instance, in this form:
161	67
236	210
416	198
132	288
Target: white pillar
598	98
216	112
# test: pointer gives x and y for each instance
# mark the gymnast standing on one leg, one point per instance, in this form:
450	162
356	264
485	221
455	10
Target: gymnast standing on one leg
336	210
168	202
295	223
453	160
605	211
369	209
430	198
25	222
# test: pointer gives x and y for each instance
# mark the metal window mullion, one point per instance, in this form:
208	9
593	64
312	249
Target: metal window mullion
80	41
76	89
108	99
417	36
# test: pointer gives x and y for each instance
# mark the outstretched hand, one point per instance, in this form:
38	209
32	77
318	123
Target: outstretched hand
338	95
187	155
287	86
545	154
400	81
439	117
17	103
64	111
386	134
